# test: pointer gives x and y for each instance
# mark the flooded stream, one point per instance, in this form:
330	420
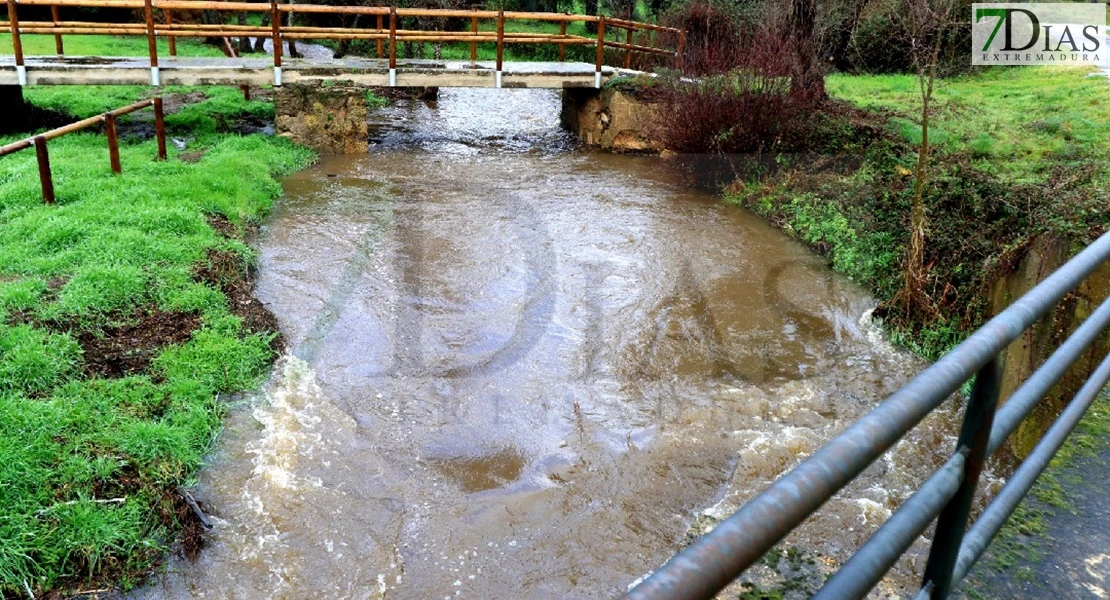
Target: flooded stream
522	370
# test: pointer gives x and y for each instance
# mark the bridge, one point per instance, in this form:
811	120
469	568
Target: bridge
617	41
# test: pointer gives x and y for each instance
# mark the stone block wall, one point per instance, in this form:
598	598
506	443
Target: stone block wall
611	119
329	117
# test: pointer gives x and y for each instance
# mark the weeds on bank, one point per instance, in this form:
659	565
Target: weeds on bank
1021	152
89	460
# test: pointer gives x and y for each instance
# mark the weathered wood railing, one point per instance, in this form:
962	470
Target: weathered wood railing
664	41
46	178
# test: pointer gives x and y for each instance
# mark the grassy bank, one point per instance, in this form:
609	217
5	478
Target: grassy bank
124	316
1018	153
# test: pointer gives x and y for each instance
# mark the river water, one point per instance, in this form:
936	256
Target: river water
519	369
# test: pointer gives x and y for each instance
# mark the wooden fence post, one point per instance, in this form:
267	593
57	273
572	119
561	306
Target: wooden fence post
474	44
57	36
113	142
275	33
381	51
500	46
392	46
600	50
152	44
169	23
160	128
628	39
17	46
45	179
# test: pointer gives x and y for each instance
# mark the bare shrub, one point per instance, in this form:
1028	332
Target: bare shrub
733	94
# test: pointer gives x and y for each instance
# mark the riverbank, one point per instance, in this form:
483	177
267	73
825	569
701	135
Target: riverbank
125	321
1018	154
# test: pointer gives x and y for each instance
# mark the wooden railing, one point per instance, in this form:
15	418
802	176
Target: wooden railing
663	41
38	142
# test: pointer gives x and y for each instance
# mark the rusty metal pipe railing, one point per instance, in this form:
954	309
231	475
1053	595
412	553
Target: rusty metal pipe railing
716	559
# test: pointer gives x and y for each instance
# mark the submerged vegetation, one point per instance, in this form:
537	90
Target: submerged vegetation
122	325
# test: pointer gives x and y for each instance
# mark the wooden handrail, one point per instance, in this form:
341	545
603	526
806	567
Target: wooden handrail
279	32
57	37
46	179
630	24
208	30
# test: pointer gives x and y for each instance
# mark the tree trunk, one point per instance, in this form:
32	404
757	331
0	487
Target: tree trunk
914	276
915	301
591	9
260	42
847	30
292	44
211	17
244	42
345	44
807	82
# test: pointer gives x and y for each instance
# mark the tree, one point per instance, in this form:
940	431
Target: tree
592	7
844	33
807	80
244	42
927	24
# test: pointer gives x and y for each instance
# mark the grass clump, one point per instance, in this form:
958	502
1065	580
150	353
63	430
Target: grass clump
99	427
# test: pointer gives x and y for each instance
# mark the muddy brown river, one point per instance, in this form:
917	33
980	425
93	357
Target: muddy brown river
520	369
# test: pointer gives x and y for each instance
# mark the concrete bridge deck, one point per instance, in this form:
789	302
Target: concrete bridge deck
91	70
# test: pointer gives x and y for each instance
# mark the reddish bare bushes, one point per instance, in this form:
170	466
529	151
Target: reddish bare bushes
733	93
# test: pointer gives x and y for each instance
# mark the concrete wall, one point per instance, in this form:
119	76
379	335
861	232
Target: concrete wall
1044	255
329	117
610	119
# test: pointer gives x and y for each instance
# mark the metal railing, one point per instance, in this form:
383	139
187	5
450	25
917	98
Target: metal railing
387	35
38	142
720	556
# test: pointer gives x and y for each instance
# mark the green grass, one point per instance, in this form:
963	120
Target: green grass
104	45
219	104
88	465
1017	123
